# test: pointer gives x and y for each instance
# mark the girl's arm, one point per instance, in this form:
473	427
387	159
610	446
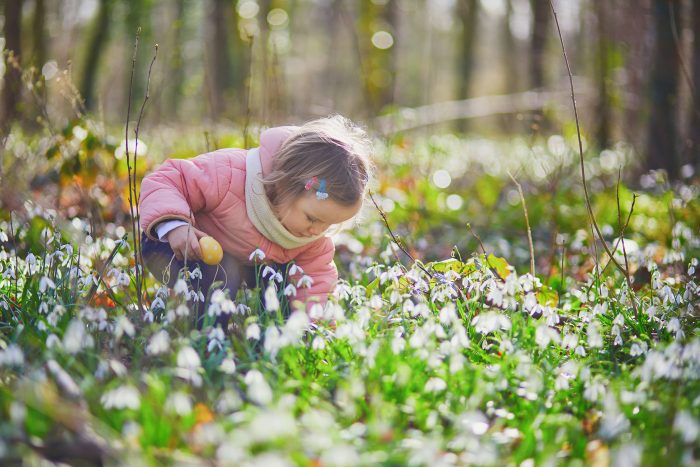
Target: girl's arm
180	188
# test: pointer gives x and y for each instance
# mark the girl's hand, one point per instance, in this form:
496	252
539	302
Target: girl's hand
186	238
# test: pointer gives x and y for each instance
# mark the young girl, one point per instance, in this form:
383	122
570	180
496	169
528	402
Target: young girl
280	198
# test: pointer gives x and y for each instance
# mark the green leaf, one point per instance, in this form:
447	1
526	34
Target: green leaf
500	265
547	296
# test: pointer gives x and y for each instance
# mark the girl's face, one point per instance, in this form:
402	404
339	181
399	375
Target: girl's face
307	216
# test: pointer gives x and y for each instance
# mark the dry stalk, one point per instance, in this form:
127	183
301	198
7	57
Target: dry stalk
527	223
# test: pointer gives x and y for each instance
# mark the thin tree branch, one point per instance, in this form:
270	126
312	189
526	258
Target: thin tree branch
594	224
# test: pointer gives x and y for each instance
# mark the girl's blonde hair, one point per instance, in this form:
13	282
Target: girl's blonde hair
333	149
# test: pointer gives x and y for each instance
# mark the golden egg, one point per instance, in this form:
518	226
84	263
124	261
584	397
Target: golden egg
212	253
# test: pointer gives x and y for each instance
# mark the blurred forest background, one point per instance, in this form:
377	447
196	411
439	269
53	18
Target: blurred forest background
393	64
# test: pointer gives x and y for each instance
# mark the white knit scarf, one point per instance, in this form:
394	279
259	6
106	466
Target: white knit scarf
259	210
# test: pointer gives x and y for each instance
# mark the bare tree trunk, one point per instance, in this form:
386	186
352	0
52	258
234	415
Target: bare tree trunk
603	114
98	40
540	32
39	34
12	87
177	73
694	130
509	51
468	14
663	131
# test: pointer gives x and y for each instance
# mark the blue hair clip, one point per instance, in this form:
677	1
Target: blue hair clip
321	192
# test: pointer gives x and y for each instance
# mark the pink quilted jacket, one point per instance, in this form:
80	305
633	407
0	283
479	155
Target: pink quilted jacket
209	192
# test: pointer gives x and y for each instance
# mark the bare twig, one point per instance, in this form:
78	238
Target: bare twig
396	240
486	255
594	224
527	223
133	189
622	240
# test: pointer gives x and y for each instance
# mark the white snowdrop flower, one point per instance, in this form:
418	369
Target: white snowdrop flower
687	426
157	304
118	368
421	310
46	283
305	282
216	338
53	341
545	334
188	358
8	274
3	236
228	366
63	379
490	321
257	388
180	287
123	397
188	365
295	269
570	341
435	385
594	338
274	340
674	325
31	262
619	320
651	311
271	301
295	327
43	308
253	331
270	425
419	338
242	309
376	302
638	348
178	403
448	314
398	343
600	308
268	271
74	337
257	255
197	296
123	326
456	362
196	273
158	343
618	337
182	310
290	290
593	390
473	422
319	343
123	279
12	356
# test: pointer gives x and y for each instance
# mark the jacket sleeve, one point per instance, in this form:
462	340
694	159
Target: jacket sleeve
180	188
317	263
